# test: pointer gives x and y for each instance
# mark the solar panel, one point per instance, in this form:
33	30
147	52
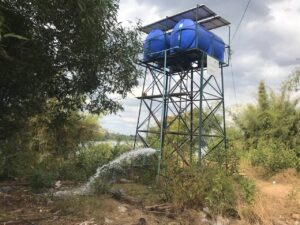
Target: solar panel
202	14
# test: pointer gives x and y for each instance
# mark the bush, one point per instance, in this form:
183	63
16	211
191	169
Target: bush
101	186
86	162
208	186
71	169
16	161
42	177
77	168
274	157
193	187
220	195
248	189
297	152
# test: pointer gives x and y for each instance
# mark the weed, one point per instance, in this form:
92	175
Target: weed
248	189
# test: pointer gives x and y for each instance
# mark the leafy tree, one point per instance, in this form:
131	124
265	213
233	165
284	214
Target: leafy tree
271	127
75	53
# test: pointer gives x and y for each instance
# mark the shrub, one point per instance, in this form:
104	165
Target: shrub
193	187
248	189
273	157
87	160
15	159
219	194
71	170
207	186
147	173
119	149
42	177
101	186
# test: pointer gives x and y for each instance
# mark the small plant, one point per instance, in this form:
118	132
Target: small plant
248	189
42	177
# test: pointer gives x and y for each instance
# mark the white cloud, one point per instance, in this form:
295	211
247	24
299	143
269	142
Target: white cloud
132	10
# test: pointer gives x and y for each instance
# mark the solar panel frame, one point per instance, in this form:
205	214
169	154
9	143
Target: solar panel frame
202	14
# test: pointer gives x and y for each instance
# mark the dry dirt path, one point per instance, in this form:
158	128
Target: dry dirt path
278	197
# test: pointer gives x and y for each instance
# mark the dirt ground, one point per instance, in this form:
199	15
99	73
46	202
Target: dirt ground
19	205
277	199
277	202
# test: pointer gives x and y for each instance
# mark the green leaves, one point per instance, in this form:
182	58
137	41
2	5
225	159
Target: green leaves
293	83
197	188
274	157
75	52
248	189
271	128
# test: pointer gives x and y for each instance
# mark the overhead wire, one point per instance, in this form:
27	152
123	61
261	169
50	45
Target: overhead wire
233	82
241	20
233	36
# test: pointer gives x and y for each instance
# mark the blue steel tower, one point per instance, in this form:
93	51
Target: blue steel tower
182	108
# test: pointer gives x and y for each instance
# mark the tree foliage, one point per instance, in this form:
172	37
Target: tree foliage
46	143
75	53
293	83
271	127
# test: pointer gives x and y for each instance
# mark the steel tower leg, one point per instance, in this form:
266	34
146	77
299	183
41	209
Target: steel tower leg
140	108
224	121
191	115
163	116
201	111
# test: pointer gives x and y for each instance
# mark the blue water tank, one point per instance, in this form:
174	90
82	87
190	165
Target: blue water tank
217	48
155	43
185	35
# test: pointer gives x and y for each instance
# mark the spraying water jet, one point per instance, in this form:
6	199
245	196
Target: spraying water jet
102	170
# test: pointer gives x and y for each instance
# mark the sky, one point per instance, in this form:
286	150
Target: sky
266	47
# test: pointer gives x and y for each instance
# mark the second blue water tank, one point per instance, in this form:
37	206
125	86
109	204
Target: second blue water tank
217	48
187	35
155	43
